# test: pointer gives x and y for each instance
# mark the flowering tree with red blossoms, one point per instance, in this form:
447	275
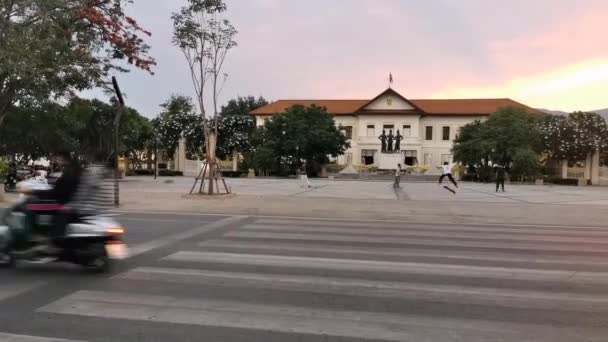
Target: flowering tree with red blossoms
52	48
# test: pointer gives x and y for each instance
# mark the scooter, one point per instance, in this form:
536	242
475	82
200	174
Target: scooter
90	241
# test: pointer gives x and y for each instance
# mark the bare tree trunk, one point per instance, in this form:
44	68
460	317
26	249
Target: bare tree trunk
211	160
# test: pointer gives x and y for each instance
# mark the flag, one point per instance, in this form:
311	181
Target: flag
390	78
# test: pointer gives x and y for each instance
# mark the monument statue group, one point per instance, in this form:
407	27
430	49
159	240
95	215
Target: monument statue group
390	143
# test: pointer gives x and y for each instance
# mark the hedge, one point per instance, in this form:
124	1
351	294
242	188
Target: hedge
233	174
169	173
141	173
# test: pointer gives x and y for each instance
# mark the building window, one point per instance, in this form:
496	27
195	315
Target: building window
407	130
410	157
428	133
445	135
388	128
348	132
371	130
428	159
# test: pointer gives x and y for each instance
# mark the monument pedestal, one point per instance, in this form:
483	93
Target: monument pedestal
389	161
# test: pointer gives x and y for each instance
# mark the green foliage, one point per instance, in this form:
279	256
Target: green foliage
525	164
300	134
264	160
178	119
170	173
236	126
471	146
3	169
234	134
54	47
498	139
83	126
574	137
243	106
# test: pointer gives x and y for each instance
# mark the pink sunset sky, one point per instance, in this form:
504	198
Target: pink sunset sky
544	53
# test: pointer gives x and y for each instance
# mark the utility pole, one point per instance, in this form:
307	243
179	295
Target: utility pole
119	109
155	153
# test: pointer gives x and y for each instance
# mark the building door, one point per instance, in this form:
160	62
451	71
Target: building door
367	157
410	157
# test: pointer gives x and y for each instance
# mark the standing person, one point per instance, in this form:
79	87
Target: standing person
500	177
446	171
304	176
397	176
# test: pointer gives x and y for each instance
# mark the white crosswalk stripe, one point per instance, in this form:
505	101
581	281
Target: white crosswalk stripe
26	338
487	270
374	326
11	289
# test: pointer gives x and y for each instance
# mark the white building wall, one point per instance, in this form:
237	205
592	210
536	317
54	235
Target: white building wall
389	102
354	151
436	147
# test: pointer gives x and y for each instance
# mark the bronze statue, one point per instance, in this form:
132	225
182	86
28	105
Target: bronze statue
389	148
382	138
398	139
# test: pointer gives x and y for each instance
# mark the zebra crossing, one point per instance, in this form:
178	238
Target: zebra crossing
342	280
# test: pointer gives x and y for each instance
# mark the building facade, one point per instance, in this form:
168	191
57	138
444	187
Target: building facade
428	127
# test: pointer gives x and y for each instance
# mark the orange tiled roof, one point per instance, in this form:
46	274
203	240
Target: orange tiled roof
430	107
335	107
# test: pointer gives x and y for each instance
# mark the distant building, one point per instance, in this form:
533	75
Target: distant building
428	126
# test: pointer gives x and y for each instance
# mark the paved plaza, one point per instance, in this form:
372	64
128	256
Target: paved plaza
383	190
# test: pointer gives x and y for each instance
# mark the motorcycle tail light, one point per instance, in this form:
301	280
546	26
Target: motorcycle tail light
116	231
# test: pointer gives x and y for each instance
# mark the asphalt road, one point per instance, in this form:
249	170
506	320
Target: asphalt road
219	278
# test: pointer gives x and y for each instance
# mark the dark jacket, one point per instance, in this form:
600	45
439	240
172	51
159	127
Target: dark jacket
65	186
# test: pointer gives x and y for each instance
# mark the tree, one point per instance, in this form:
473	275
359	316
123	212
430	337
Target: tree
235	135
205	38
302	134
236	126
525	164
243	106
82	126
470	147
575	137
497	140
177	120
55	47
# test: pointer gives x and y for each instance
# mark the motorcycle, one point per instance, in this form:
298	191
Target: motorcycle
26	233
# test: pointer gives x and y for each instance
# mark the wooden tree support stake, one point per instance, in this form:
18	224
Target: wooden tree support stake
206	175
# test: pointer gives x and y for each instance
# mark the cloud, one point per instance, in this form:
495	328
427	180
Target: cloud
580	86
535	51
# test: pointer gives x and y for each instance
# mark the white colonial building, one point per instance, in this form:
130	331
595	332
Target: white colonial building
428	126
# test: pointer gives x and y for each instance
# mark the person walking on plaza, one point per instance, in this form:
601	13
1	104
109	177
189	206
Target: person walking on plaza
304	176
446	171
500	177
397	176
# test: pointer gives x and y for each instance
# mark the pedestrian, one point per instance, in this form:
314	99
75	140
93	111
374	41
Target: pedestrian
397	176
446	171
500	177
304	176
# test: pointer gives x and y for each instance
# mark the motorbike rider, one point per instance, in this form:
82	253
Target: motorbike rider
62	193
67	184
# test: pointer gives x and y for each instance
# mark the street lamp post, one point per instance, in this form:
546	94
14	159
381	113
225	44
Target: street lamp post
120	107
